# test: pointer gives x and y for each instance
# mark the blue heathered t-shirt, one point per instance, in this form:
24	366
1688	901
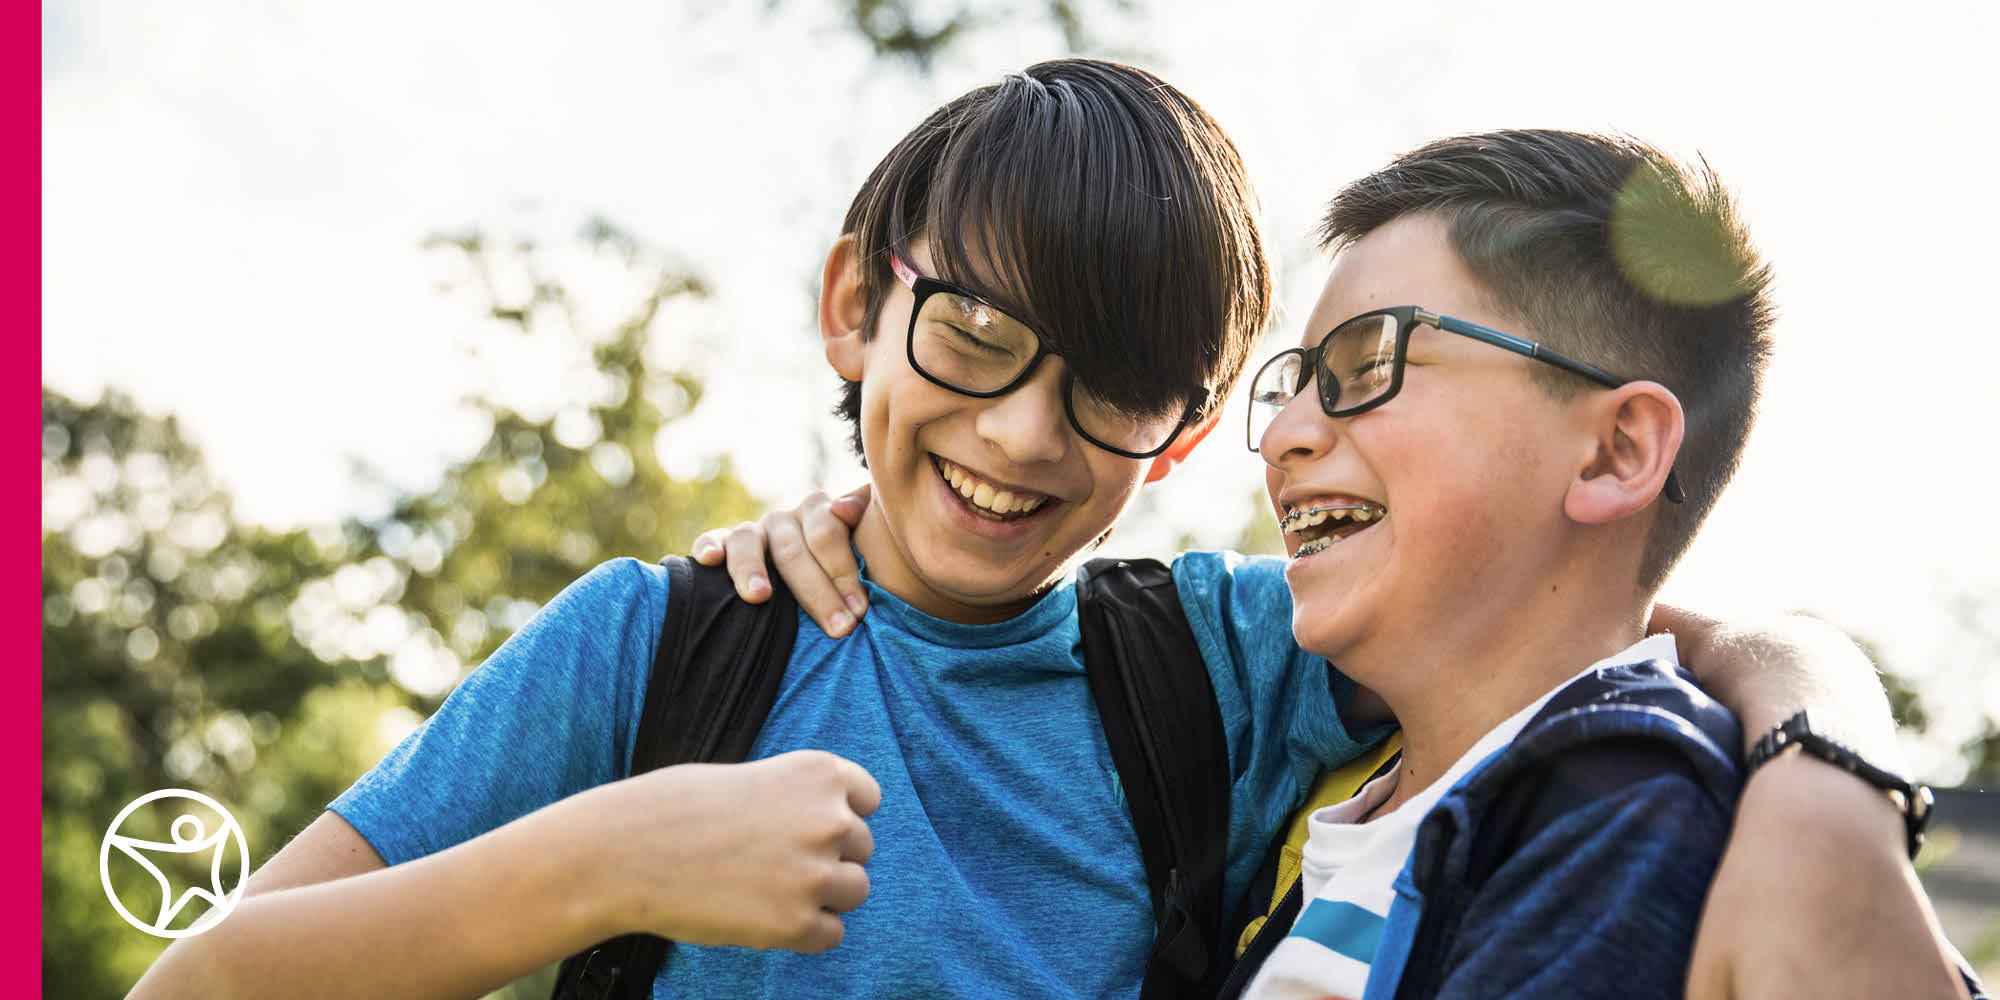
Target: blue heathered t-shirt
1005	863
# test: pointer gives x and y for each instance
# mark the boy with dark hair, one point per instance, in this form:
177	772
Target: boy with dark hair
1032	277
1479	501
1042	295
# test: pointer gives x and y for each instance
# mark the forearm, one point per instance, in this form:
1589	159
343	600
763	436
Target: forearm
1815	897
1767	674
455	924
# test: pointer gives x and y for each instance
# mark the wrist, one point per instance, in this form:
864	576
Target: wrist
1797	740
570	856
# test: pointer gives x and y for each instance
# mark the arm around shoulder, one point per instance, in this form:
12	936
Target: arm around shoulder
1815	897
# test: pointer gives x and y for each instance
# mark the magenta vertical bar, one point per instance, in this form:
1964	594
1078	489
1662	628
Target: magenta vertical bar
21	550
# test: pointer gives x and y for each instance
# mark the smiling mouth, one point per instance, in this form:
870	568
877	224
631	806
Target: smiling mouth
995	503
1319	524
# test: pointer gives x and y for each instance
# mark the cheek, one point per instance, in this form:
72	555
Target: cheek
1479	491
1115	489
874	418
1114	484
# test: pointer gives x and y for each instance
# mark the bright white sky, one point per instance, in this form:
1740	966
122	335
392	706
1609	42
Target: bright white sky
235	193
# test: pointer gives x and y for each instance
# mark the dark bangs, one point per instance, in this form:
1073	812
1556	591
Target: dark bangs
1065	206
1098	205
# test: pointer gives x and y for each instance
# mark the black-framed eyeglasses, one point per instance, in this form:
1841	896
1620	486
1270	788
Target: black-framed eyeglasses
1359	366
961	342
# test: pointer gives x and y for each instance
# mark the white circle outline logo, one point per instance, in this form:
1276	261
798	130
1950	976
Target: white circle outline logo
219	901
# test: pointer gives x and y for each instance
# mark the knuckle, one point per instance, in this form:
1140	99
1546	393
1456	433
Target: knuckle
816	767
819	875
800	918
786	546
824	532
826	825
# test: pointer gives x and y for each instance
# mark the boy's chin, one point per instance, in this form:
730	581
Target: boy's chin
1324	610
1320	637
987	592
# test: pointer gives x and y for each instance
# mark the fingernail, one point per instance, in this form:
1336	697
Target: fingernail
841	623
703	548
856	605
758	583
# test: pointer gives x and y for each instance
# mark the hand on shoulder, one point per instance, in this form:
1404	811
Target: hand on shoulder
810	545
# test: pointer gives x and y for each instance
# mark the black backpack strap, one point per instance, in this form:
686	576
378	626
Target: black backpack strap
715	676
1277	919
1277	925
1157	702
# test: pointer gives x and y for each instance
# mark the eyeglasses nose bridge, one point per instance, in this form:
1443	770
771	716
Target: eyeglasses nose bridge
1283	421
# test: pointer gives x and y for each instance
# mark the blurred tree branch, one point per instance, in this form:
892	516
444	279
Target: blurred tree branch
920	33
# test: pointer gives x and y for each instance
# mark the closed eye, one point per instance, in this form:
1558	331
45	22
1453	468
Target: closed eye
972	341
1372	368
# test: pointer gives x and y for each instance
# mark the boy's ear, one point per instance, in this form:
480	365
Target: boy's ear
1166	460
1638	429
843	310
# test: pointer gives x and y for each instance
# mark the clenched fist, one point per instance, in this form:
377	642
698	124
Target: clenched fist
762	855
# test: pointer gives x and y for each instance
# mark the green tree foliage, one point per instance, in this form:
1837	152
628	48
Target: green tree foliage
270	669
1975	649
168	661
1931	705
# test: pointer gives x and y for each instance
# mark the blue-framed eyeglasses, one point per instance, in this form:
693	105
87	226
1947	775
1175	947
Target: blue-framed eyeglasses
1359	366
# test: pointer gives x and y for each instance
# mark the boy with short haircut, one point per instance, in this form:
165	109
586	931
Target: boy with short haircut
1480	500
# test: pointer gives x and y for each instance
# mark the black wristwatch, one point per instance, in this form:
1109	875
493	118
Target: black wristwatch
1915	800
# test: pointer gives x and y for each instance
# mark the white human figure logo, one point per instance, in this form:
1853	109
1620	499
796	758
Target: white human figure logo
190	837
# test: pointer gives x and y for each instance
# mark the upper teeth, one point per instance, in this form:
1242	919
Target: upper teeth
1302	519
982	494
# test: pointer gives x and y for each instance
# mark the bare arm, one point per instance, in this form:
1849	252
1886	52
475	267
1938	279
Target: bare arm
1815	896
765	855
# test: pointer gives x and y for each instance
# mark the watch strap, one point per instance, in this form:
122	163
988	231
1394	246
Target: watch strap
1913	799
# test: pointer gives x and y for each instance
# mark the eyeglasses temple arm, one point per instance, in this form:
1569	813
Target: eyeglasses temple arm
905	272
1519	345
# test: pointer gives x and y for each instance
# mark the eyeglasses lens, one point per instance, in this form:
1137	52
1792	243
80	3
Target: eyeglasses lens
1275	384
1358	362
971	346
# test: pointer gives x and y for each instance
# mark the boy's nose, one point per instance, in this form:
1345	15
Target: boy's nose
1301	430
1029	424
